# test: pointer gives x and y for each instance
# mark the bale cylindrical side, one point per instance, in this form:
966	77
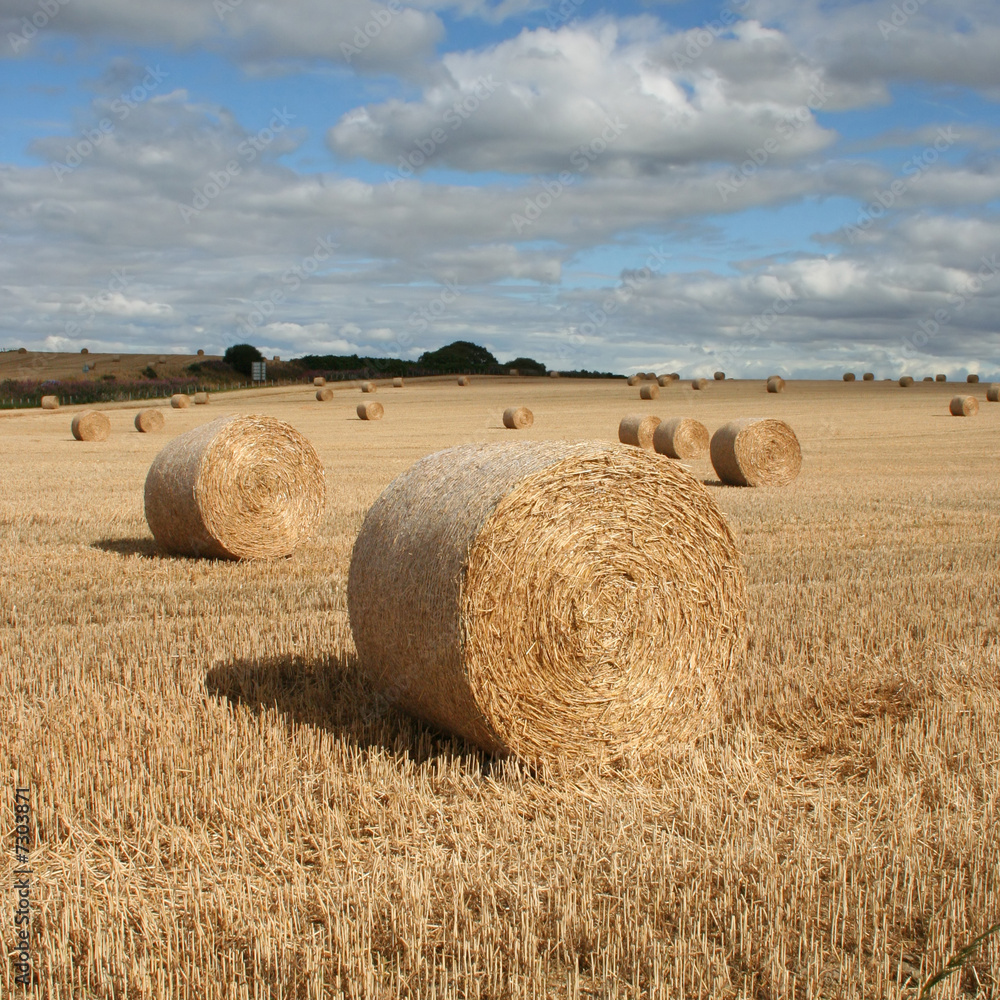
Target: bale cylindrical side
91	425
324	393
756	451
149	421
972	379
319	380
633	379
775	383
993	394
371	411
180	401
239	487
868	377
699	383
50	402
368	387
964	406
545	621
719	376
637	430
681	437
906	381
849	376
200	399
649	391
518	417
397	383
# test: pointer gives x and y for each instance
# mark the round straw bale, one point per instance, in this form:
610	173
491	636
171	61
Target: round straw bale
553	615
370	411
699	383
367	386
940	378
681	437
200	399
513	371
849	376
649	391
324	394
84	350
50	402
22	350
664	380
91	425
239	487
518	417
972	379
632	379
993	394
149	421
319	380
868	377
397	383
201	352
756	451
775	383
906	381
964	406
928	378
637	429
719	376
180	401
555	374
674	376
463	379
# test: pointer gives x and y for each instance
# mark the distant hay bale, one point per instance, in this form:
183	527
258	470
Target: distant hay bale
637	429
674	377
513	371
463	380
649	391
324	394
367	386
319	380
116	359
719	376
681	437
964	406
664	380
201	352
180	401
397	383
201	399
239	487
84	350
371	411
972	379
91	425
699	383
518	417
149	421
50	402
649	376
940	378
849	376
22	350
632	379
928	378
546	622
276	358
993	394
868	377
756	451
906	381
775	383
555	374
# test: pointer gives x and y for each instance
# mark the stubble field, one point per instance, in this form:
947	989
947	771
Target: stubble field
222	810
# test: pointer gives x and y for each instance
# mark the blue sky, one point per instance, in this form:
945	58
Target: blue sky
756	186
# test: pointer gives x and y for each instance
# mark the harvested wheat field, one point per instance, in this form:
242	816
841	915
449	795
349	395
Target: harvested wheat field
222	809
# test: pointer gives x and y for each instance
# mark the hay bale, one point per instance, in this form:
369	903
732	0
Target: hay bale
238	487
719	376
906	381
699	383
180	401
319	380
200	399
756	451
84	350
775	383
664	380
632	379
116	360
149	421
91	425
22	350
397	383
928	378
518	417
201	352
513	371
964	406
993	394
940	378
324	394
868	377
681	437
972	379
555	374
849	376
637	430
368	387
50	402
552	616
674	377
463	380
370	411
649	391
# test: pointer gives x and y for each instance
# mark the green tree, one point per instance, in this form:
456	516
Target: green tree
240	357
527	366
457	357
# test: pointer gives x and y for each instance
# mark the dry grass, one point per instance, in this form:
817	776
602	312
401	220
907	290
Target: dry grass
223	810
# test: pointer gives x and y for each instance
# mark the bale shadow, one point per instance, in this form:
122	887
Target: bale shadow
145	547
331	694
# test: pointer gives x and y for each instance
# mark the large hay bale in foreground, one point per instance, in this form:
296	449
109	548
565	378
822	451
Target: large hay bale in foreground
518	417
239	487
775	383
849	376
149	421
756	451
397	383
993	394
964	406
681	437
90	425
324	394
553	617
50	402
649	391
319	380
201	399
463	380
868	377
371	411
906	381
368	386
699	383
180	401
637	430
972	379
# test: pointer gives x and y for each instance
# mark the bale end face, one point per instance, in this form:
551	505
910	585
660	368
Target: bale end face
964	406
180	401
756	451
324	394
91	425
370	411
517	417
681	437
50	402
649	391
149	421
637	430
